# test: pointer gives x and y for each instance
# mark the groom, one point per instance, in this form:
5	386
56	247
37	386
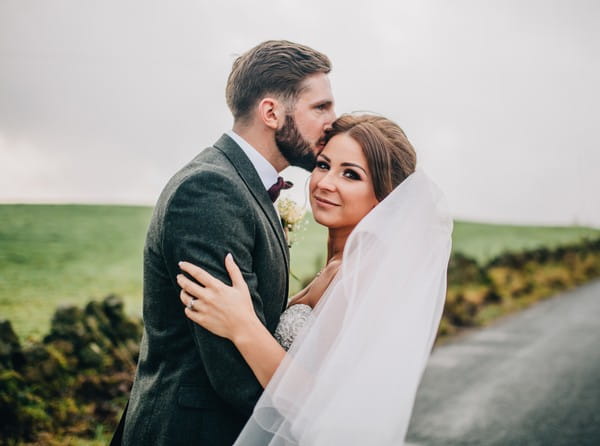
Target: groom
192	387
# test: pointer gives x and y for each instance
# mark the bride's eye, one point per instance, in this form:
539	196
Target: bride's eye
322	165
351	174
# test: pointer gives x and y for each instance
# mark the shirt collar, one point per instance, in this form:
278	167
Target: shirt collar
267	173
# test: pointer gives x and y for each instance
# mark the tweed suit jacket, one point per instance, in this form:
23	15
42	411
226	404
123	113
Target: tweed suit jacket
192	387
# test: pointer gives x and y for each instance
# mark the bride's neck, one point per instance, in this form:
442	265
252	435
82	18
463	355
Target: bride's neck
337	241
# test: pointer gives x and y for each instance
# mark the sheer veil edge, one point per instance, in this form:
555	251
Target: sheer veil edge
352	374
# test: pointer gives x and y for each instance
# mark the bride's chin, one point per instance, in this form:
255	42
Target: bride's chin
319	219
330	223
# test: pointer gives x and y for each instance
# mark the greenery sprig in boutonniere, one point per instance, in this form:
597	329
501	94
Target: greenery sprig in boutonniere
292	217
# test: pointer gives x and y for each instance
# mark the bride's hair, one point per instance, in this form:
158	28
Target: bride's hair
391	157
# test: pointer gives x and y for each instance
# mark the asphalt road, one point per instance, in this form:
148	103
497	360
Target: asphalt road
531	379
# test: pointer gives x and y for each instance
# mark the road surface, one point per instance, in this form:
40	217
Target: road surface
531	379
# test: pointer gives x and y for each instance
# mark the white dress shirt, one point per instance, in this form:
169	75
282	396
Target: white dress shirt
267	173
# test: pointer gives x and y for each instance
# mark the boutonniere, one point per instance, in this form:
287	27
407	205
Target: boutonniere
292	217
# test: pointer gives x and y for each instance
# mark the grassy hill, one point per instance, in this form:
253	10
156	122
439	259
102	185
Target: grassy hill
59	254
51	255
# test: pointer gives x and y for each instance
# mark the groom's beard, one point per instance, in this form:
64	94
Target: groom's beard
294	148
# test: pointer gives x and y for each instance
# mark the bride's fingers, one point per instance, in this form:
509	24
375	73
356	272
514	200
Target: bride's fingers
185	299
191	287
194	316
198	312
199	274
237	280
198	306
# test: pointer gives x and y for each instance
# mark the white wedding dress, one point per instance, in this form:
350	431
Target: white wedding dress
355	361
291	323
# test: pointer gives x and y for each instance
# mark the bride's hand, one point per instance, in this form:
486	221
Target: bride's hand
223	310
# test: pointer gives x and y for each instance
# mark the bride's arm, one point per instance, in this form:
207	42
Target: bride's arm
260	350
227	311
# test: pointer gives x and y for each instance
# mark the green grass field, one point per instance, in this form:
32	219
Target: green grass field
68	254
50	255
483	242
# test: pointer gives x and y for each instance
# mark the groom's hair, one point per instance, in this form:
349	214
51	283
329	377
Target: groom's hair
274	67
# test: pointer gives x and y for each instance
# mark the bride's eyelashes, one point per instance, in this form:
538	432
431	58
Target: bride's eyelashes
322	165
351	174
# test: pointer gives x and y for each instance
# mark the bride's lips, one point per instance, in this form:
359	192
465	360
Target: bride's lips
324	202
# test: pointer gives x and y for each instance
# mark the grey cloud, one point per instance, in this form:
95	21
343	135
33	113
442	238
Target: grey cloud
103	101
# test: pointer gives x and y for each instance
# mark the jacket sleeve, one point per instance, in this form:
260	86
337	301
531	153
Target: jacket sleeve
206	218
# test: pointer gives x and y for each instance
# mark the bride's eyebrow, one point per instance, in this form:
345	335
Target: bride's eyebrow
354	165
344	164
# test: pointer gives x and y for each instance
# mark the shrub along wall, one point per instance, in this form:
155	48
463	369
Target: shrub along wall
511	281
79	376
75	379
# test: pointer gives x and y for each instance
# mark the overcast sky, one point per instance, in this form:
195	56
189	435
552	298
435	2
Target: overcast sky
102	101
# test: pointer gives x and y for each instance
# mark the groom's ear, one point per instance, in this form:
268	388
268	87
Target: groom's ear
271	112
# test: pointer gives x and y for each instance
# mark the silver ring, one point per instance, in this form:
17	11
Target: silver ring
190	304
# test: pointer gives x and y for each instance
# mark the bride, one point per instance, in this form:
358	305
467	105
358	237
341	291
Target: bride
360	333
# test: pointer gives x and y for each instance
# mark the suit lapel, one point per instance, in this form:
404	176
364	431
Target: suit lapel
248	173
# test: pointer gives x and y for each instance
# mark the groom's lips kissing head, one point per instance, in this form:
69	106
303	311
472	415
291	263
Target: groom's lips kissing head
295	149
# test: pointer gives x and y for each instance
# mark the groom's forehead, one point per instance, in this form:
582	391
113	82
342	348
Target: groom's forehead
316	88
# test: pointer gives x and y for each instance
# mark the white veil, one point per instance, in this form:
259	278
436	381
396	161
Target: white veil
351	376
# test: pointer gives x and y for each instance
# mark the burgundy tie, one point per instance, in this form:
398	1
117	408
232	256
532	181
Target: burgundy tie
276	188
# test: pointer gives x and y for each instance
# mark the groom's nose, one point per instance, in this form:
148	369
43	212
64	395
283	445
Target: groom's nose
331	116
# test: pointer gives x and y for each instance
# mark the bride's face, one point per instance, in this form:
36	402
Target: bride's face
341	187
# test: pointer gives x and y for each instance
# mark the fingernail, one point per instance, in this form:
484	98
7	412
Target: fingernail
228	256
179	263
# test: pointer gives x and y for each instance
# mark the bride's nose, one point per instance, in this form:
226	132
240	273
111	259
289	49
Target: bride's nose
327	182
